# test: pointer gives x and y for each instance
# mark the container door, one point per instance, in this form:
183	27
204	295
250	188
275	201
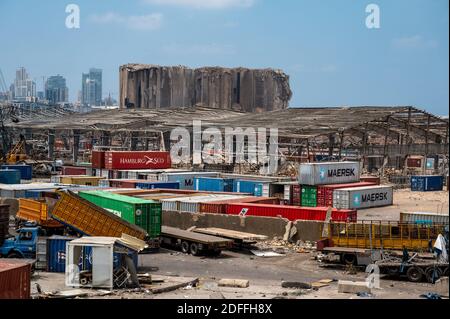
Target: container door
102	267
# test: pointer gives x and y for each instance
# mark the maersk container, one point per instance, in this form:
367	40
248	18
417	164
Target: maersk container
253	187
328	173
213	184
363	197
26	171
140	212
325	192
424	218
427	183
157	185
9	176
186	180
309	196
56	253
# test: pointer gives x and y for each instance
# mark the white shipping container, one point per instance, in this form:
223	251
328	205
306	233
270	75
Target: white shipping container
362	197
329	173
103	183
423	217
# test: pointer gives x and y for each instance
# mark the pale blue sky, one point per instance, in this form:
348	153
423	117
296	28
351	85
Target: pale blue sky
324	45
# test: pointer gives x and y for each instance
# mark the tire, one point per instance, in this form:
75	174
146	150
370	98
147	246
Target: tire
194	249
349	259
14	255
429	274
414	274
185	247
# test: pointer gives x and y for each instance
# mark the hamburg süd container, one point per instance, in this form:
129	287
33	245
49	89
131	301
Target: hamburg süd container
9	176
213	184
325	192
26	171
427	183
290	212
424	218
309	196
137	160
143	213
363	197
253	187
15	280
328	173
186	179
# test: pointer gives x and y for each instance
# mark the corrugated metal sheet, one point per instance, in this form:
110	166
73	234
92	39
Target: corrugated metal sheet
15	280
363	197
329	173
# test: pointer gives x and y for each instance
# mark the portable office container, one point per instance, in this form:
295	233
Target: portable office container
15	280
325	192
137	160
26	171
253	187
427	183
9	176
157	185
424	218
290	212
329	173
143	213
186	179
363	197
213	184
309	196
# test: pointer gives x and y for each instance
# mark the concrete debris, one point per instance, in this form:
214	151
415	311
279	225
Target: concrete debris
267	253
288	231
353	287
249	90
235	283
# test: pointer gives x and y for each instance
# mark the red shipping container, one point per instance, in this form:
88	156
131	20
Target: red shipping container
325	192
73	170
219	207
371	179
296	195
126	183
414	162
98	159
291	212
15	280
137	160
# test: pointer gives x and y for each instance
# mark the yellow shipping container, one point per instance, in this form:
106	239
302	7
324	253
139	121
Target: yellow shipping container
81	180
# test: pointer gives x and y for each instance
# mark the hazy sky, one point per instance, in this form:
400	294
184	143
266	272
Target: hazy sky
324	45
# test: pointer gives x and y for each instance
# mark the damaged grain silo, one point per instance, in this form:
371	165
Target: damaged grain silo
249	90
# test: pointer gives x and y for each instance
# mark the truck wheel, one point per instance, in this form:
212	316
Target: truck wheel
185	247
349	259
194	249
414	274
430	272
14	255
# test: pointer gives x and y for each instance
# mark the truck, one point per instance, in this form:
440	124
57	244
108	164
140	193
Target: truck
37	211
23	245
193	243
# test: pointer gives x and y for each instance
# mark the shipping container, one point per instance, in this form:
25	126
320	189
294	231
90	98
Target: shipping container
137	160
148	174
363	197
309	196
143	213
56	253
186	179
258	178
219	207
375	180
424	218
4	222
36	211
98	159
427	183
414	162
81	180
329	173
213	184
122	183
255	188
157	185
18	190
290	212
9	176
325	192
26	171
75	171
15	280
192	204
92	220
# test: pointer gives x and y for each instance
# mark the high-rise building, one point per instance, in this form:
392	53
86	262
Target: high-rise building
91	87
24	87
56	90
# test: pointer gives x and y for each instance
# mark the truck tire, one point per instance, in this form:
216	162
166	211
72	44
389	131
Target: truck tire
185	247
349	259
430	271
194	249
414	274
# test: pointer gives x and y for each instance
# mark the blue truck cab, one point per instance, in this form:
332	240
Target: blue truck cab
22	245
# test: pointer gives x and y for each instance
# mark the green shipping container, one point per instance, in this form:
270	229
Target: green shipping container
141	212
309	196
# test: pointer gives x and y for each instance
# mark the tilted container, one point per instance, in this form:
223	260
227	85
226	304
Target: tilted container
363	197
328	173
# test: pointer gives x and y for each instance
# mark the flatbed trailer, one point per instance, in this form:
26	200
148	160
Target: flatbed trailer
240	238
194	243
416	270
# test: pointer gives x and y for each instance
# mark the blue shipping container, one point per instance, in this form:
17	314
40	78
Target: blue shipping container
427	183
9	176
86	259
26	171
56	253
154	185
36	193
253	187
213	184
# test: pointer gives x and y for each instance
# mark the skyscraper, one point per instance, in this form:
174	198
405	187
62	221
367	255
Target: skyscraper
56	90
24	87
91	87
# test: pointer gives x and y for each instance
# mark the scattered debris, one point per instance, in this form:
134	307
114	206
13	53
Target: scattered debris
296	284
353	287
236	283
267	253
431	295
